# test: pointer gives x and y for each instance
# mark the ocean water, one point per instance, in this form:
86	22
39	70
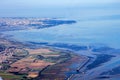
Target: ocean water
95	25
99	24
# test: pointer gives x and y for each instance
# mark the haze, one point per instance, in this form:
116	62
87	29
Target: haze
39	7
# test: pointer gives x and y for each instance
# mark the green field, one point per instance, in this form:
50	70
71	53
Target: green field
8	76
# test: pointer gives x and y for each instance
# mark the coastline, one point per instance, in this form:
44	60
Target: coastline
87	53
82	59
72	59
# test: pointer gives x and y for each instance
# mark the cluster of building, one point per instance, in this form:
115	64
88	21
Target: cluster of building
7	53
20	21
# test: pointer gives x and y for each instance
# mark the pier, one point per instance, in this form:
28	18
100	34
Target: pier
78	70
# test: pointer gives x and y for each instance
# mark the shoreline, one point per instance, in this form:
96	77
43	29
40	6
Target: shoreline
67	48
28	45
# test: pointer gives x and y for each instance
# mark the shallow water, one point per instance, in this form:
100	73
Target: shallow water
83	32
95	24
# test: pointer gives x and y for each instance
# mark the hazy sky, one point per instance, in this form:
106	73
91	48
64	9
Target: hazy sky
27	7
45	3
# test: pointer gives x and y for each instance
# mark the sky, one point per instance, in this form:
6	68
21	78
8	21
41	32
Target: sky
40	7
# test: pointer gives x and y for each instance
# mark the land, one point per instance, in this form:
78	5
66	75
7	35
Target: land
53	61
10	24
20	62
28	61
24	62
33	61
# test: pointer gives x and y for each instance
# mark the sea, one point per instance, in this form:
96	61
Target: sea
97	24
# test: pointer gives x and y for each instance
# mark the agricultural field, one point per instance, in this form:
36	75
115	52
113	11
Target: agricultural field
25	63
